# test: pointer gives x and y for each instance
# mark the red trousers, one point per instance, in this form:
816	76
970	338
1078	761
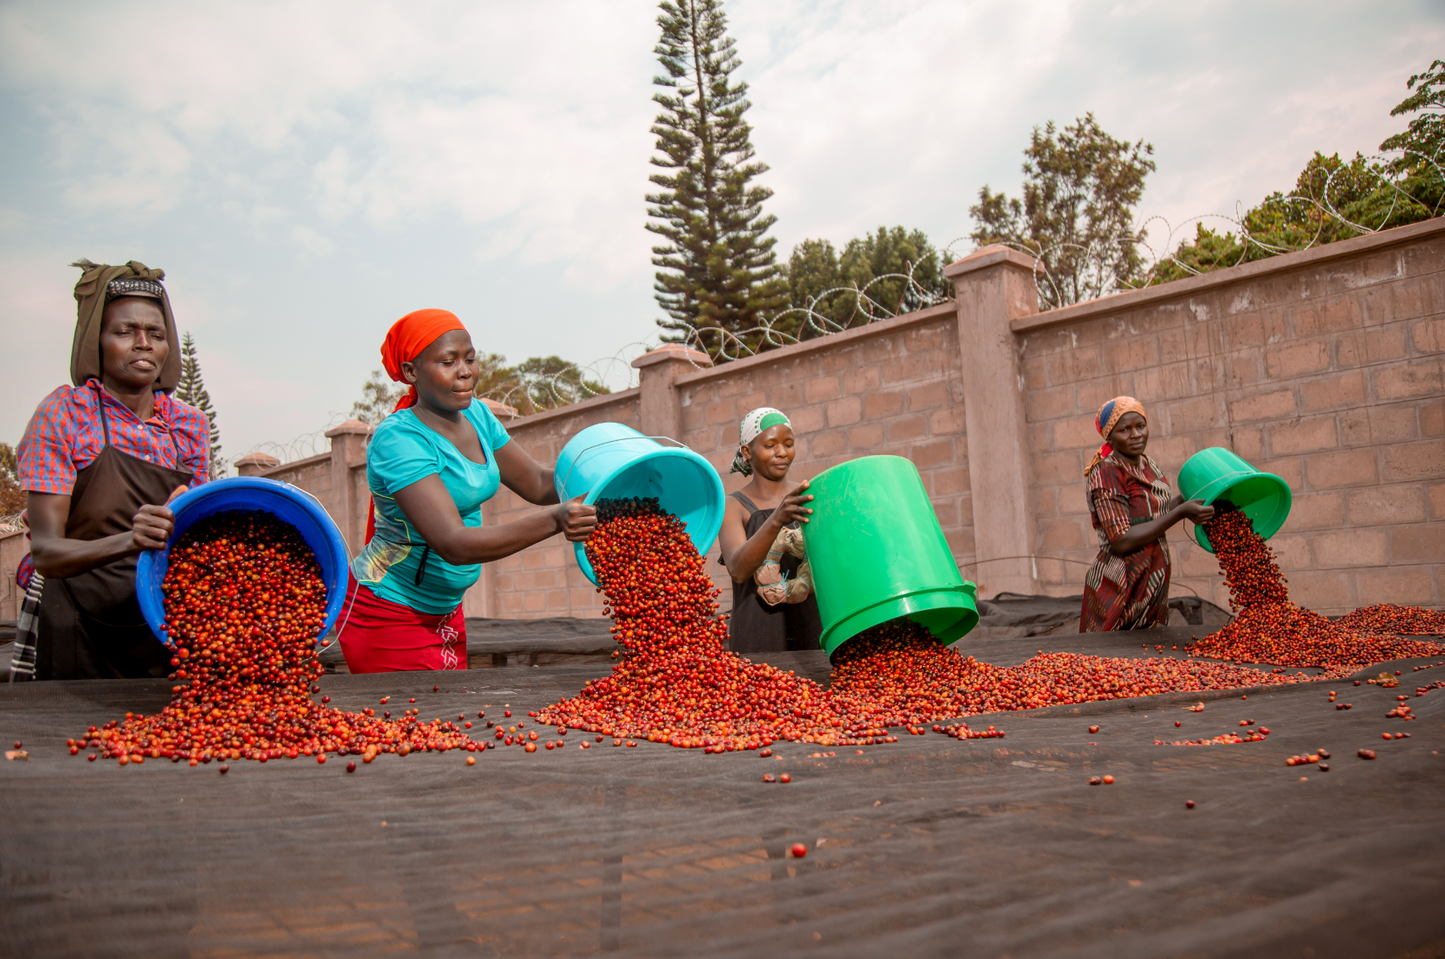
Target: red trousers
379	636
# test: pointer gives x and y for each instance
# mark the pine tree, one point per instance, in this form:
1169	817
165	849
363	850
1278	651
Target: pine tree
192	390
718	268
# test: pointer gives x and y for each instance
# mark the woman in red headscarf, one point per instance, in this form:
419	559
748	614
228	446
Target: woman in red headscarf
1132	505
430	467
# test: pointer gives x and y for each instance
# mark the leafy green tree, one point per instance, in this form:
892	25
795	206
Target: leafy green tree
868	281
1423	139
191	389
379	396
1077	212
12	497
717	269
547	382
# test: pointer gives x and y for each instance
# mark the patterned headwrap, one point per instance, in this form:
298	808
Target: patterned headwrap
99	284
754	425
407	339
1107	418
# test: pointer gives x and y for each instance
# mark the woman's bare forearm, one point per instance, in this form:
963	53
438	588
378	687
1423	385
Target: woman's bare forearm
58	557
1145	533
465	545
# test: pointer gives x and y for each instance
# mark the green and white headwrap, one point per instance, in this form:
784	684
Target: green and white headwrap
754	425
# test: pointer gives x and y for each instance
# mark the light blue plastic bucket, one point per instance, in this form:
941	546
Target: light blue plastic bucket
612	461
247	494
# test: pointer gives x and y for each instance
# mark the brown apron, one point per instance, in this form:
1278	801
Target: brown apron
91	625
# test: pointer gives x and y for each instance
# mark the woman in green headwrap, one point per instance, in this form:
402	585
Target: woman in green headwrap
755	515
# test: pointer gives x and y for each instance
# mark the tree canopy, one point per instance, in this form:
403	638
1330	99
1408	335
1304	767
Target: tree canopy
535	384
1077	211
867	281
1335	199
191	389
12	497
718	276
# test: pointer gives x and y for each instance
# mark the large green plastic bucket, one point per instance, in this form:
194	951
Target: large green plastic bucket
878	553
1216	473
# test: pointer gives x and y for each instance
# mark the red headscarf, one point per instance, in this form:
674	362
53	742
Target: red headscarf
405	341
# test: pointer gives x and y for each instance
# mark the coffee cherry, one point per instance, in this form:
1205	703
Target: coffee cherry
1188	804
785	778
799	850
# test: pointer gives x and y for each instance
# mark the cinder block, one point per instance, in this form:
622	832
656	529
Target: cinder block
1386	343
879	405
1248	443
1297	359
1061	534
1304	436
805	419
927	396
905	428
1074	365
903	370
1032	369
864	438
1420	543
844	411
1401	382
1436	492
556	600
937	453
1291	551
1332	392
1350	548
1317	511
1131	353
582	599
1402	585
1324	591
1393	424
722	411
547	579
950	480
532	559
1341	468
1428	335
1040	405
534	602
1385	505
944	422
1252	329
1354	427
1415	461
734	386
1276	404
1058	468
819	390
1074	432
861	379
1330	317
827	443
1432	419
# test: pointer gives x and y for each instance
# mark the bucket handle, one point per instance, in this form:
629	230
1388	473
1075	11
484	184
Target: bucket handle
619	439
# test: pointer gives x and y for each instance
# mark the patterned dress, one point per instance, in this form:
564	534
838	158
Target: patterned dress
1132	591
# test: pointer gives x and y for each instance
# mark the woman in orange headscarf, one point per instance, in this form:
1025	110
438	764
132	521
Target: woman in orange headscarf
430	466
1132	505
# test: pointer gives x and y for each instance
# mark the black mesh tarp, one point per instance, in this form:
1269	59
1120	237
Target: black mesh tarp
925	847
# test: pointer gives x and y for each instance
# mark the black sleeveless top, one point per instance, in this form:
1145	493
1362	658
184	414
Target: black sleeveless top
756	627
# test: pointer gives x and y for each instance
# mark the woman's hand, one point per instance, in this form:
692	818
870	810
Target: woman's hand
574	520
792	508
152	526
1195	511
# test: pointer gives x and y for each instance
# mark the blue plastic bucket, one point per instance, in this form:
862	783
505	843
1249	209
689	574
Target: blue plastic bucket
612	461
247	494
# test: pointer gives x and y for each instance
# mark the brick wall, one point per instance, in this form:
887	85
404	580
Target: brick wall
1324	367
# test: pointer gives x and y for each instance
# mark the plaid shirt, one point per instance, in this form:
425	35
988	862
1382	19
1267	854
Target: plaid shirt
65	436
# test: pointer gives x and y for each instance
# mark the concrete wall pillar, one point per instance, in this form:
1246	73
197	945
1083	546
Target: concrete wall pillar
993	286
253	463
660	406
348	450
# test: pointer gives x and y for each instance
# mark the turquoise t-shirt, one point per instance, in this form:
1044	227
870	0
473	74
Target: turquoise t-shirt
404	450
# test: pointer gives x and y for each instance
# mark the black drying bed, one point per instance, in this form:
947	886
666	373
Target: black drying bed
925	847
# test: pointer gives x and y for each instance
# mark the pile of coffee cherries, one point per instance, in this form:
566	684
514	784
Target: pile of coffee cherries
1401	620
244	603
1268	628
677	683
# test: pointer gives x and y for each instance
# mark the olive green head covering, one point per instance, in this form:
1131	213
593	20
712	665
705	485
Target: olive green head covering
101	283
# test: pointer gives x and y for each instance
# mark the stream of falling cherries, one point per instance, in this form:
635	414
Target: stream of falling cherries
244	601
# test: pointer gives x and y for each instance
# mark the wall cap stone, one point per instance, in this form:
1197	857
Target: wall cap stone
989	256
500	409
928	314
672	351
1190	286
349	426
263	460
571	409
294	465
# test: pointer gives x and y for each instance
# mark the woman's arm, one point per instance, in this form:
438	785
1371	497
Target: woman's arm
56	556
430	508
524	476
742	555
1143	534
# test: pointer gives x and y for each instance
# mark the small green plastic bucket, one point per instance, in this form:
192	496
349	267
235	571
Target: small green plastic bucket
1216	473
877	553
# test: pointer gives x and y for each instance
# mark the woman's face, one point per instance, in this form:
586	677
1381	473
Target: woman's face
771	453
133	344
1130	435
445	372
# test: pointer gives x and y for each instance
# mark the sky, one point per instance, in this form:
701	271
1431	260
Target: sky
308	172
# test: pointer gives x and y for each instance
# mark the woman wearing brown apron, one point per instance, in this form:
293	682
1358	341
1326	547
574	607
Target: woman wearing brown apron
99	461
755	515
